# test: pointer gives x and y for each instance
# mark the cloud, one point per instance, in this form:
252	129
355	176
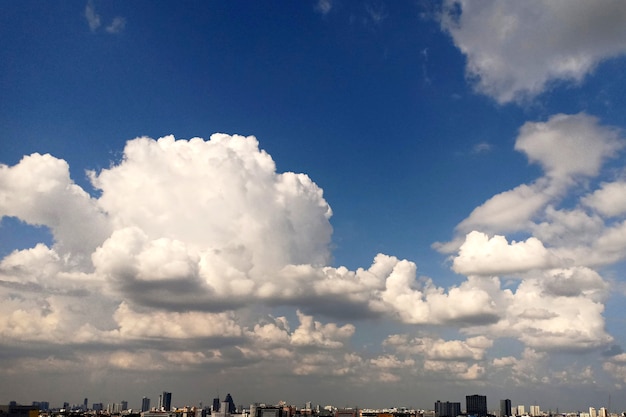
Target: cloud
569	149
324	6
190	243
481	147
117	25
93	19
516	50
567	146
481	255
609	200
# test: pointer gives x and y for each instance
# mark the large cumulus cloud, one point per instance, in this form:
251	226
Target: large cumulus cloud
184	241
515	50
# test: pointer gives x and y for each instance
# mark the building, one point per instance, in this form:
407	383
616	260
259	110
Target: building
347	412
167	401
521	410
505	408
476	405
535	410
231	404
15	410
145	404
447	409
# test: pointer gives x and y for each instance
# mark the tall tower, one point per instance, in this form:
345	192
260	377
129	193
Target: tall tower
231	404
145	404
505	408
476	405
167	401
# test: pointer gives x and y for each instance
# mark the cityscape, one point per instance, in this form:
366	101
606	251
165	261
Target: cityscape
475	406
363	208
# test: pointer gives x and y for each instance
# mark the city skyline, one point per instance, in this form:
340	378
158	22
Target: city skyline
359	202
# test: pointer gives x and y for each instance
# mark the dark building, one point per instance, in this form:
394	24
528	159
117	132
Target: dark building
505	408
145	404
476	405
231	404
167	401
216	405
15	410
447	409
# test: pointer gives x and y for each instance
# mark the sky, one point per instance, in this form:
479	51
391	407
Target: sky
358	203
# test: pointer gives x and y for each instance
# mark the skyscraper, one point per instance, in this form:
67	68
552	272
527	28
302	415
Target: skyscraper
505	408
145	404
476	405
447	409
231	404
167	401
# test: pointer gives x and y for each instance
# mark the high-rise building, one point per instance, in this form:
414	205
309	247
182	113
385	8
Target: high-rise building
145	404
476	405
447	409
167	401
592	412
535	410
231	404
521	410
505	408
124	405
216	404
85	402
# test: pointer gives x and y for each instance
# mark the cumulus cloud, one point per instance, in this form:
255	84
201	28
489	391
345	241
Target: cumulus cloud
481	255
570	149
515	50
567	146
189	239
609	200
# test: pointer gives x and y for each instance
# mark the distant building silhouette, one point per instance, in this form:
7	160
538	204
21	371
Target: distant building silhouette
447	409
505	408
145	404
167	401
231	404
476	405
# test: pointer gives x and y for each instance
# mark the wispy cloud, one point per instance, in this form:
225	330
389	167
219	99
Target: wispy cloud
482	147
324	6
117	25
93	19
377	13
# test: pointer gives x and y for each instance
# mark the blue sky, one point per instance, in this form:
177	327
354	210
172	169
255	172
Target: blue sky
414	200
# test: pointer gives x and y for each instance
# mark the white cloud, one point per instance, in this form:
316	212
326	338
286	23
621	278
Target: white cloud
481	255
314	333
515	50
609	200
39	191
189	239
567	146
